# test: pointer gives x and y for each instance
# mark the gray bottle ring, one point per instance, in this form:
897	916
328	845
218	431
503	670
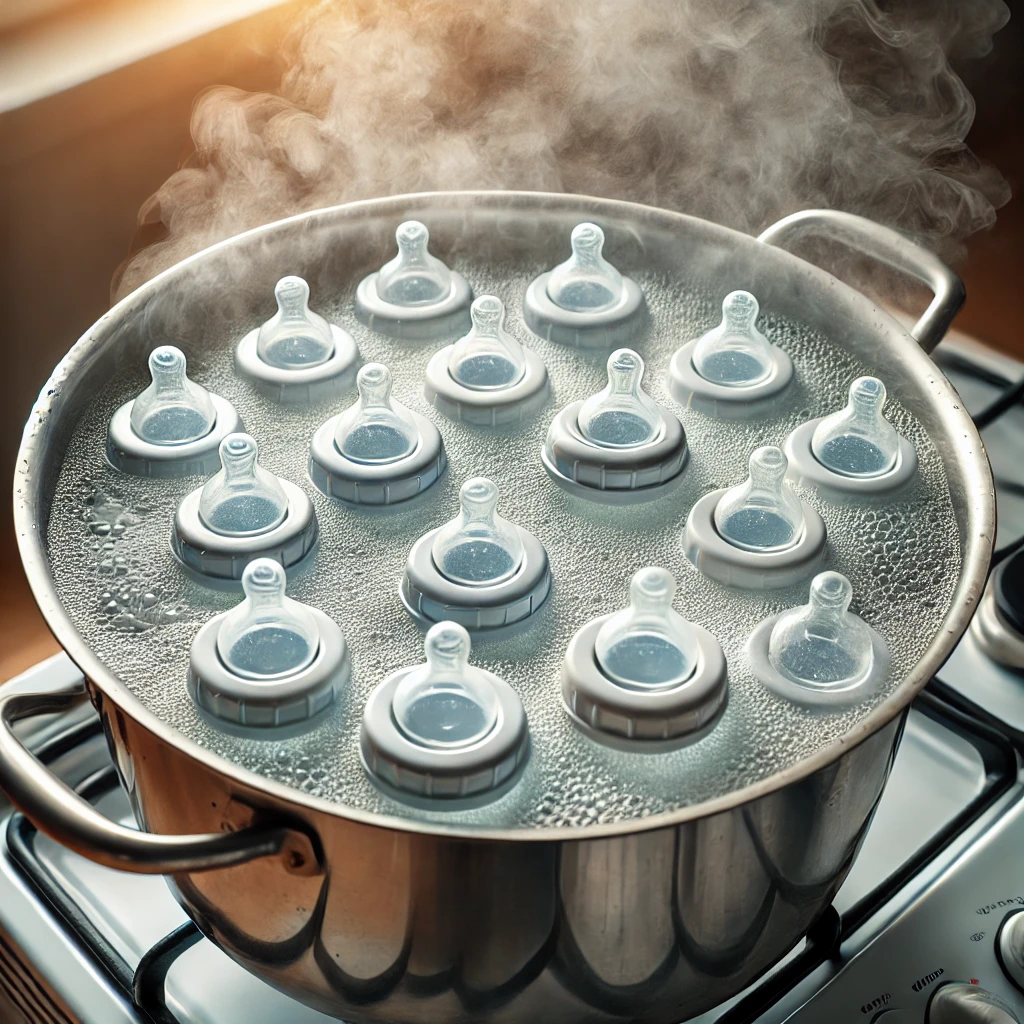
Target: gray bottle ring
411	769
837	696
446	318
308	384
805	469
613	476
263	703
361	484
430	597
692	391
604	707
486	408
716	558
221	557
128	452
610	328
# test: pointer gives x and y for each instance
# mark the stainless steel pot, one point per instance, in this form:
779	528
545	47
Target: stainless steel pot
375	919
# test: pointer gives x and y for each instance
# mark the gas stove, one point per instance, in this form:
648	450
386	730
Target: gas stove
935	896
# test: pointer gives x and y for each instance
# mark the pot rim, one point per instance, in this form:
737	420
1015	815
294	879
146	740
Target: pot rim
979	532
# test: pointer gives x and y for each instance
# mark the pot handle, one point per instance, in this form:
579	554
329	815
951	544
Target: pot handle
890	247
57	810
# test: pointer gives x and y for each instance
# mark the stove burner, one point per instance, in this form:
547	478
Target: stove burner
270	661
414	295
297	356
445	729
820	653
584	301
732	370
174	427
644	673
241	513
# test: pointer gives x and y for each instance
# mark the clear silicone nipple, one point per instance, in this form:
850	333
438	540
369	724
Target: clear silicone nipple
488	358
242	498
649	645
477	547
413	277
586	282
446	703
622	415
267	635
822	643
173	409
735	353
762	513
376	429
294	337
858	440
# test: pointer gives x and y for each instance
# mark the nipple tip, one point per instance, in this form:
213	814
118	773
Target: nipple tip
448	641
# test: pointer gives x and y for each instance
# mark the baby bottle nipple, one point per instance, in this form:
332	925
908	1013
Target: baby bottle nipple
622	415
267	635
173	409
446	703
488	358
822	644
649	645
243	498
858	441
763	513
294	337
478	546
376	429
735	353
413	277
586	282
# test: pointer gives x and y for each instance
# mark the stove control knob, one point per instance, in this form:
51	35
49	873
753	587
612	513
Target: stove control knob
1010	948
960	1003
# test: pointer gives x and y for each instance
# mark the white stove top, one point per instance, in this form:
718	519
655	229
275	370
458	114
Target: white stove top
941	865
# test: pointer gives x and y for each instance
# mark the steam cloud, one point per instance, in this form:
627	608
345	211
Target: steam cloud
732	110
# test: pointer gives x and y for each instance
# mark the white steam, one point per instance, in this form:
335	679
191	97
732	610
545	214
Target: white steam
733	110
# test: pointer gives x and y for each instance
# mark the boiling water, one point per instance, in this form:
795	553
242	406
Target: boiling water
139	611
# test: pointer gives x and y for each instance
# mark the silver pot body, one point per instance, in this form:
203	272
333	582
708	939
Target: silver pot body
372	919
